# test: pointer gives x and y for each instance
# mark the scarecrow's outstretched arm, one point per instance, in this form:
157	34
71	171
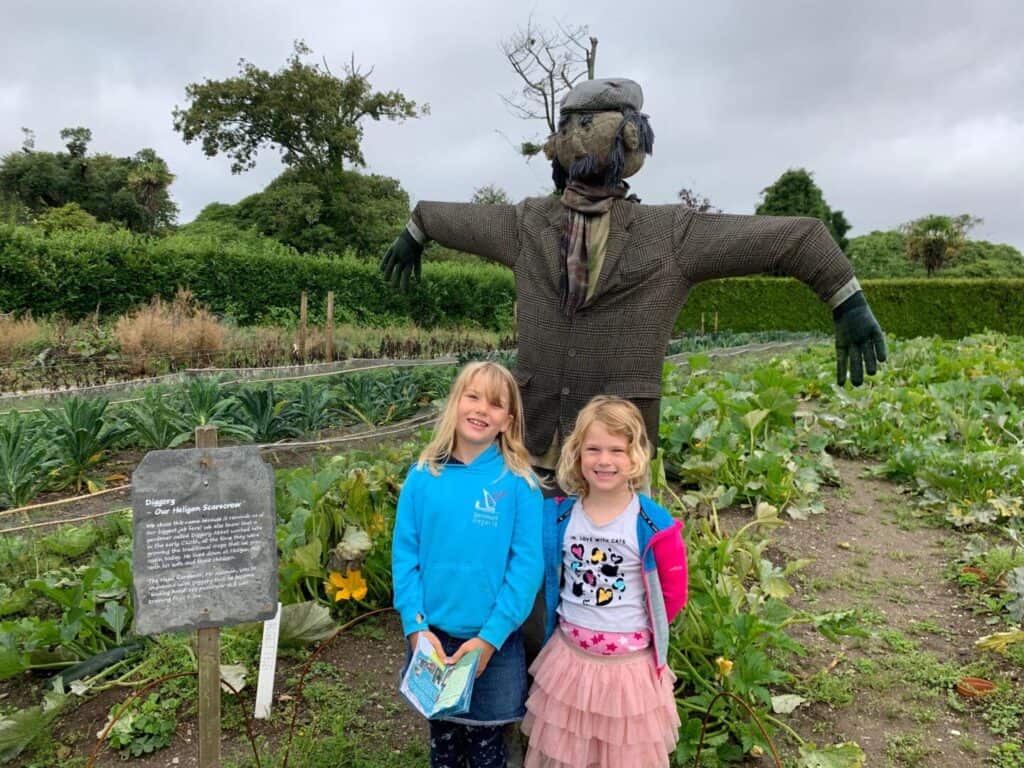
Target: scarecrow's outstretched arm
721	245
489	231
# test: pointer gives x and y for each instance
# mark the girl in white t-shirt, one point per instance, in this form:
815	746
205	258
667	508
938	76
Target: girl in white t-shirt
615	577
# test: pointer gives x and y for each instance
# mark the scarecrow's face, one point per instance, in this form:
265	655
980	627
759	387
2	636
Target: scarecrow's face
593	134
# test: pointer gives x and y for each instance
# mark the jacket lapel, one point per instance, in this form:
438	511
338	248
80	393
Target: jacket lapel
618	239
552	240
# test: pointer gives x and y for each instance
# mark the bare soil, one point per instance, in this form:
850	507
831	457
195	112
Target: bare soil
889	692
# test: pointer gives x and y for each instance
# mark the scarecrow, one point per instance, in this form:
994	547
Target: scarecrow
601	278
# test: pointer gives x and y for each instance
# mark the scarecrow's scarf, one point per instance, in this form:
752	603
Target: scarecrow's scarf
584	205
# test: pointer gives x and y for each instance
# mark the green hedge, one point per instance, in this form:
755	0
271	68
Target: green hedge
253	278
951	308
247	277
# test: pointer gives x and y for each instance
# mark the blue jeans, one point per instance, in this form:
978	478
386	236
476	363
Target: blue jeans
499	694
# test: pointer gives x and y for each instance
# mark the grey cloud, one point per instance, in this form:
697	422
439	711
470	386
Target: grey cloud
899	109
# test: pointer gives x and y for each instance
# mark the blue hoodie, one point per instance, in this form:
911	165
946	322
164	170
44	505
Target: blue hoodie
467	556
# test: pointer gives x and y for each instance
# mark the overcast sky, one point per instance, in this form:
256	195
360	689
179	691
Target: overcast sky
899	108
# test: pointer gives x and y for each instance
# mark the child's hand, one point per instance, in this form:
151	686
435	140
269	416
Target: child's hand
476	643
430	637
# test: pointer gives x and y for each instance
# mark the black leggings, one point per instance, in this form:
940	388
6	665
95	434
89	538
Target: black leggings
454	745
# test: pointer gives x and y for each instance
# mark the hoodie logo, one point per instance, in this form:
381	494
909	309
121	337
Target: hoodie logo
489	504
486	513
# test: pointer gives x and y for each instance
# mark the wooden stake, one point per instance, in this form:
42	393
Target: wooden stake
716	321
208	659
329	330
303	313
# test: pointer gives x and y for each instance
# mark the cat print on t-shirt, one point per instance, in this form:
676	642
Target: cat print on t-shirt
595	573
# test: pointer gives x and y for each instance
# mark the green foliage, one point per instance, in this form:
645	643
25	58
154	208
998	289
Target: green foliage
934	241
129	191
313	117
951	308
25	461
884	255
310	410
71	541
68	216
263	414
21	728
155	424
490	194
733	637
148	726
81	437
794	193
236	273
348	211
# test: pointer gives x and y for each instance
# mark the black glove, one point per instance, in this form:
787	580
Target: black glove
402	259
859	340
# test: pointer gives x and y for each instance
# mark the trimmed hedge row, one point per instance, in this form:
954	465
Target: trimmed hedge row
250	279
950	308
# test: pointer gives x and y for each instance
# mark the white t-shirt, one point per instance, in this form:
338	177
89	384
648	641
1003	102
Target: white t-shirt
602	584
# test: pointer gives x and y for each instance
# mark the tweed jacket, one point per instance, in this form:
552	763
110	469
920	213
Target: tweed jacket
616	341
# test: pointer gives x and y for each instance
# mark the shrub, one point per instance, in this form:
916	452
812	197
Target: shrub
176	332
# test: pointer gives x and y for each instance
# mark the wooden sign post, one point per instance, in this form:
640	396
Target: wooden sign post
208	662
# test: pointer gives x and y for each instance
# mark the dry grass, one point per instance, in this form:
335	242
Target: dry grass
18	336
169	334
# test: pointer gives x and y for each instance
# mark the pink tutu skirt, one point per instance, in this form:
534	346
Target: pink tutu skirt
590	711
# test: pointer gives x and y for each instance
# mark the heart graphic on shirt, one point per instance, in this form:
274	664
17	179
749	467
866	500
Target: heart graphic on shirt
604	596
577	551
597	556
589	578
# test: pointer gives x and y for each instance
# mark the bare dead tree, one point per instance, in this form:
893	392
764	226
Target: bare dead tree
550	63
696	202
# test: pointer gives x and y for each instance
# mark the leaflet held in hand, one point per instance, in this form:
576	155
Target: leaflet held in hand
437	689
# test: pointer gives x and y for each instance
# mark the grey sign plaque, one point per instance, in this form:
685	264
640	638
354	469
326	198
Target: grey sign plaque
205	553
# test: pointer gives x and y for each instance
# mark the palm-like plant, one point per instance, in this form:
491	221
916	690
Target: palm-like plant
205	403
155	424
81	437
25	462
310	410
935	241
264	415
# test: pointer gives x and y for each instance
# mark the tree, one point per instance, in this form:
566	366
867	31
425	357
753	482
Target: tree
550	63
934	241
311	116
796	194
490	195
694	201
353	211
128	191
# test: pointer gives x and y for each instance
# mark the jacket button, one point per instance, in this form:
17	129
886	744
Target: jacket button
565	390
572	353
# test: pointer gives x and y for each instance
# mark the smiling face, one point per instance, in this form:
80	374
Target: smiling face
605	463
481	415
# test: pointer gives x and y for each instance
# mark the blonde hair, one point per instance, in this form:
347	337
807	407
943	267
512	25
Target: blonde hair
622	419
498	387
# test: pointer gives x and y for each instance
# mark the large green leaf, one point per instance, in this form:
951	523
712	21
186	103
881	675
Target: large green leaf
304	624
19	729
846	755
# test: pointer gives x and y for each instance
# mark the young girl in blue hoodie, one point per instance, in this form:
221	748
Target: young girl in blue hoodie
467	560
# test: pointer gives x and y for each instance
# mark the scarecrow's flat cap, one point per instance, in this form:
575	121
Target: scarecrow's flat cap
604	95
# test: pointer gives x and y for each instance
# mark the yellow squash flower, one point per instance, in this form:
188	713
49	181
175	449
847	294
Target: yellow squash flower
351	586
724	666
